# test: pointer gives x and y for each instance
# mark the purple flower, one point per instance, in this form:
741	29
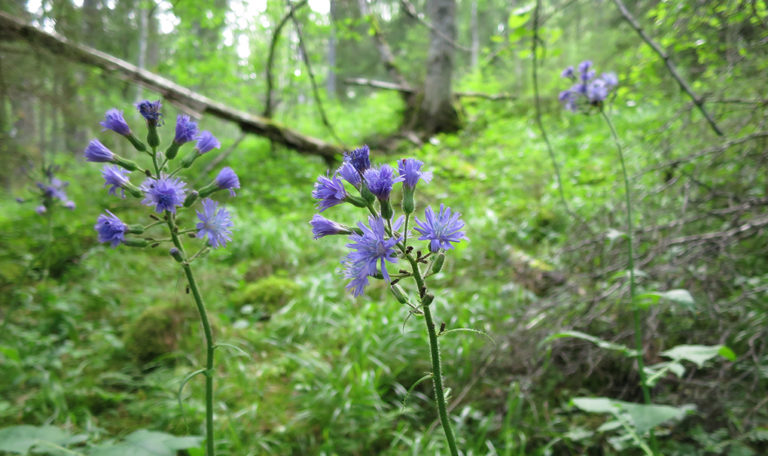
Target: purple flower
150	110
330	191
568	99
585	66
98	152
55	190
568	72
360	158
186	129
586	76
113	120
380	181
610	79
597	90
410	170
111	229
205	142
369	250
70	205
321	226
41	209
165	193
350	173
440	229
214	224
227	180
116	177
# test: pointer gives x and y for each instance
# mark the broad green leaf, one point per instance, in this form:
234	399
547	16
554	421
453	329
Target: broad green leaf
678	296
595	404
647	417
20	439
624	350
699	354
148	443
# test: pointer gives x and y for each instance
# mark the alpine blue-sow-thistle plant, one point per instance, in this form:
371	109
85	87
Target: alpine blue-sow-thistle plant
382	240
588	95
49	195
167	194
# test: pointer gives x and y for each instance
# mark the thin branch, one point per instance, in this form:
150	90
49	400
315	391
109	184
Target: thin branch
222	156
410	10
698	101
385	52
386	85
315	91
271	57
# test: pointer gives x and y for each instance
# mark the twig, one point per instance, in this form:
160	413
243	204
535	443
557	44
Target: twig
698	101
410	10
386	85
271	57
222	156
315	91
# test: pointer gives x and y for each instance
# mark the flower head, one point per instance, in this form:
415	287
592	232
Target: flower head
70	205
350	173
214	224
329	191
380	181
116	177
205	142
227	180
369	250
593	90
321	226
54	190
410	170
568	72
98	152
186	129
585	66
441	229
360	158
41	209
150	110
165	193
111	229
113	120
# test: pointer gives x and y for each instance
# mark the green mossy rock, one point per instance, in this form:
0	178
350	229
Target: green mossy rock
267	295
160	331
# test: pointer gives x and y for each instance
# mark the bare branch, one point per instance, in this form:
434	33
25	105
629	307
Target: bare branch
14	29
410	10
271	57
386	85
698	101
385	52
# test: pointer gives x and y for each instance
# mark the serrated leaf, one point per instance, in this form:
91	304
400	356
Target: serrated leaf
698	354
148	443
20	439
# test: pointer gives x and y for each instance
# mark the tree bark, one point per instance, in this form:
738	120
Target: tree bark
14	29
436	113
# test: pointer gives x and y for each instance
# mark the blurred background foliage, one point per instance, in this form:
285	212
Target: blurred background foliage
100	345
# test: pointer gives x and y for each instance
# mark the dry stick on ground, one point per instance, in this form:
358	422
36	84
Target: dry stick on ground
315	92
14	29
408	90
698	101
410	10
271	57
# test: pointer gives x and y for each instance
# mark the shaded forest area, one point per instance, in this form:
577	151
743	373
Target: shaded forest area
607	158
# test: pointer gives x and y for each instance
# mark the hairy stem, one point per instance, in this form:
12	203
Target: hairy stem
434	348
209	345
636	316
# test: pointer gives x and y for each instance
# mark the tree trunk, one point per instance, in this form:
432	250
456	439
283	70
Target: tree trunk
436	113
330	82
475	54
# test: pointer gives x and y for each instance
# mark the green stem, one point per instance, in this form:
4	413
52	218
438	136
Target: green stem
209	345
437	372
635	310
48	242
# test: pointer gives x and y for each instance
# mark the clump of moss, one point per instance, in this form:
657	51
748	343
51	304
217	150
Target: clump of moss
159	331
266	295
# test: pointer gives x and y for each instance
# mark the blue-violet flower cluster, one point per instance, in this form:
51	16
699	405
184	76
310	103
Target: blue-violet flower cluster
588	90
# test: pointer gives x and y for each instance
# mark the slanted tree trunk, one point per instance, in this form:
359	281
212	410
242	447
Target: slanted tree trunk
436	112
330	82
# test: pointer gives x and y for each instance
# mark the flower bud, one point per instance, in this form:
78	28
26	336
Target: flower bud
138	145
176	254
408	203
135	229
386	209
189	159
437	265
398	292
191	198
135	242
152	138
127	164
356	201
427	299
367	195
172	150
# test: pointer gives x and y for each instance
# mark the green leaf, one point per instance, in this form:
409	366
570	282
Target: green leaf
647	417
699	354
678	296
624	350
595	404
148	443
20	439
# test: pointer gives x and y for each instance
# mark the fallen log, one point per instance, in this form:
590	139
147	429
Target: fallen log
14	29
385	85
